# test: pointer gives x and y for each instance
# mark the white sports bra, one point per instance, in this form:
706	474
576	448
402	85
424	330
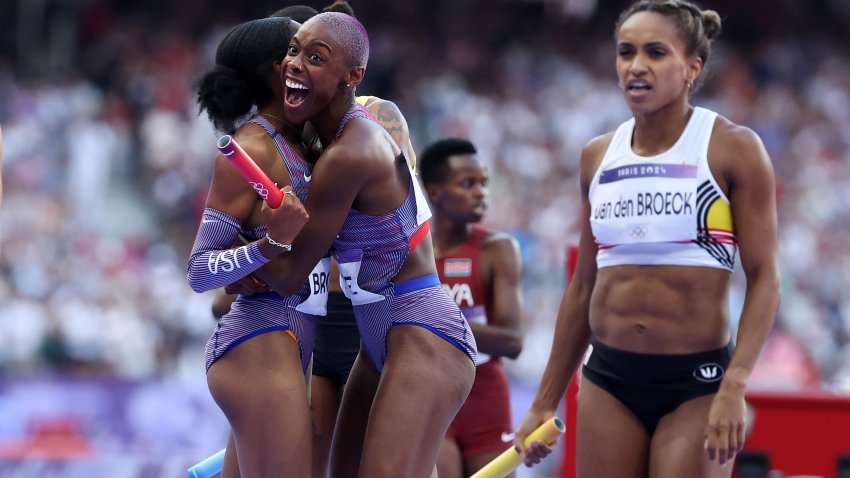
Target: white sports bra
665	209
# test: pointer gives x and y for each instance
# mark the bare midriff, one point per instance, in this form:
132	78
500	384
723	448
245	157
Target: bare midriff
661	309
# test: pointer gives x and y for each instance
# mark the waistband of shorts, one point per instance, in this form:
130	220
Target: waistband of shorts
636	357
418	283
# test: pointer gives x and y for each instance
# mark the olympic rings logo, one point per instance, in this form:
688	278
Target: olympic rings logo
261	190
638	231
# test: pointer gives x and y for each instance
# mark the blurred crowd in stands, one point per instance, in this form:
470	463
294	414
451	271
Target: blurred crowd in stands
107	161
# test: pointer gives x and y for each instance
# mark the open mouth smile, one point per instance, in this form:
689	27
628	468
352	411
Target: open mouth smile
296	92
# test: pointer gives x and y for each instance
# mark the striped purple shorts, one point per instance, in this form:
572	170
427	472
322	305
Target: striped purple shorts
258	314
422	302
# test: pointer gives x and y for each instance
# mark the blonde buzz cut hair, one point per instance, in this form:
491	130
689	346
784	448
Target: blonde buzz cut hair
350	33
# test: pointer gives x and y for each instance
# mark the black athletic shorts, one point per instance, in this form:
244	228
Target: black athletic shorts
337	340
650	385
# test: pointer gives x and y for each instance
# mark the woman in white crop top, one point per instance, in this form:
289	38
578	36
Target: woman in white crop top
669	200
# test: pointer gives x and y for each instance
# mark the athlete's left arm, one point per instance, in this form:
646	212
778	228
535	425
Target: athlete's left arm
752	193
746	167
391	119
503	335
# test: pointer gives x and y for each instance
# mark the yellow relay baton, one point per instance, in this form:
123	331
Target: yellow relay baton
503	464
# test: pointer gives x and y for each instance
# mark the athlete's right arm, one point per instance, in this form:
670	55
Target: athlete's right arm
503	335
572	329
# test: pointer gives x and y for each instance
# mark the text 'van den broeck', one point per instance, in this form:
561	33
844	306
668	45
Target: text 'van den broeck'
647	204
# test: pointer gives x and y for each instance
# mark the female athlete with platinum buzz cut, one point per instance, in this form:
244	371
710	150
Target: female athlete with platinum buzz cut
366	204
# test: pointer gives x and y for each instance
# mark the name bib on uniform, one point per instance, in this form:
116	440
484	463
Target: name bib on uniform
349	263
659	207
317	302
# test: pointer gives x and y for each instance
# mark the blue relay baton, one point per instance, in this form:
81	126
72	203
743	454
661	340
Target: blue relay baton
209	467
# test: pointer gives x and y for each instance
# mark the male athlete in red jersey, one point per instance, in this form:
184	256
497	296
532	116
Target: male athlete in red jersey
481	270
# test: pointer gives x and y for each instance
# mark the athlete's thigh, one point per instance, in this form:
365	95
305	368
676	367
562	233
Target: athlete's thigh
324	406
424	382
483	427
230	465
325	399
353	417
610	441
261	363
450	460
259	385
678	444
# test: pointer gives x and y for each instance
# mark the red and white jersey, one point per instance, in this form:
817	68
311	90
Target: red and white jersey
460	274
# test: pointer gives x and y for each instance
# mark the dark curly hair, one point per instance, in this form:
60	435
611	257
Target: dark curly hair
243	60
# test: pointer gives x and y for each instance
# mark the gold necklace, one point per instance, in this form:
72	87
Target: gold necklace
283	121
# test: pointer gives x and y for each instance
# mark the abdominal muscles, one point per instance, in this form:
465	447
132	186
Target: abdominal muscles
661	309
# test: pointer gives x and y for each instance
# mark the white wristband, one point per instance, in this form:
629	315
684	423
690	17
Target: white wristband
288	247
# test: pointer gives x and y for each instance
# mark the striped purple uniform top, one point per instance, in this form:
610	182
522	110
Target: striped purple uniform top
370	250
209	268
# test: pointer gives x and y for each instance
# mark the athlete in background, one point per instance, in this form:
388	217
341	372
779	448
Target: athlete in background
481	269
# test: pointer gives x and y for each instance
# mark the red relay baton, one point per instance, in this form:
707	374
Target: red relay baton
246	166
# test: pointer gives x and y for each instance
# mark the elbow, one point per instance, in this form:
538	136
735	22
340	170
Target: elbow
196	281
764	283
776	291
193	278
777	297
197	285
513	347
